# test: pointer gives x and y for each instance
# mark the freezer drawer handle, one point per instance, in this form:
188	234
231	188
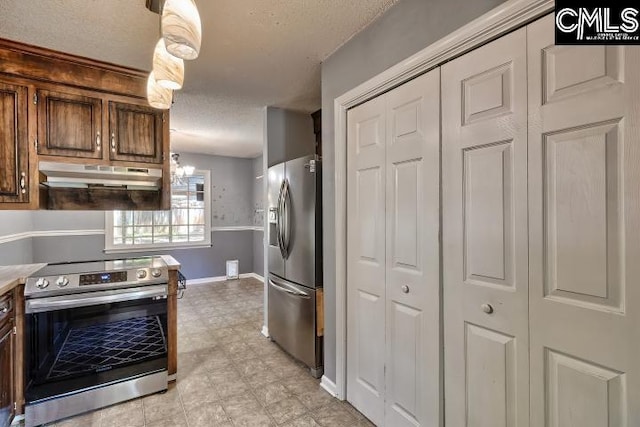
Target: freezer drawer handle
289	291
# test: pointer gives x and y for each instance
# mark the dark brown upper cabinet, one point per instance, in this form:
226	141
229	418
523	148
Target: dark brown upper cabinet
61	108
69	125
135	133
14	144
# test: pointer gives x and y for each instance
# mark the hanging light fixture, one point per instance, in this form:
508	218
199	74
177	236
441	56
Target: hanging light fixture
182	28
167	69
178	172
158	96
181	36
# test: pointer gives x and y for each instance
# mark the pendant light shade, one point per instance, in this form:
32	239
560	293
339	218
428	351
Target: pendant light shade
167	69
158	96
181	28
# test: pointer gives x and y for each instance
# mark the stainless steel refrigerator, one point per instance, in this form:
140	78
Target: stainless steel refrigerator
295	259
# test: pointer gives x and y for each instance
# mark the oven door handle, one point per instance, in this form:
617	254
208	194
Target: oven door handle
95	298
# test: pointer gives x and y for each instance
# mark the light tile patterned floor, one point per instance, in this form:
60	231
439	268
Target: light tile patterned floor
228	373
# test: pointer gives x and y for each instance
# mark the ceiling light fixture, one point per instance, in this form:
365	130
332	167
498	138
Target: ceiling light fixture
181	36
182	28
167	69
178	172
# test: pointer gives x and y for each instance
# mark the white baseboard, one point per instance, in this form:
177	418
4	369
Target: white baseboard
206	280
329	386
265	331
252	275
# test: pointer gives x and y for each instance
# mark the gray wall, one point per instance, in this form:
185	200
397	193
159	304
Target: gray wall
408	27
19	251
258	216
231	188
12	222
289	135
16	252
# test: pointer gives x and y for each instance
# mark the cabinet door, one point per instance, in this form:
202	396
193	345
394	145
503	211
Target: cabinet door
14	161
584	217
69	125
485	271
135	133
6	362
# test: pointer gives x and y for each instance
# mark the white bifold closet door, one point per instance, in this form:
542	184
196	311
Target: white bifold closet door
584	232
393	296
485	275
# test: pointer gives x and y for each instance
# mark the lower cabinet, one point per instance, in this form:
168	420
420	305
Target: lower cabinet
7	361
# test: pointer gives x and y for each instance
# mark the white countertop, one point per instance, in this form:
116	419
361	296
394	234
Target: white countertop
14	275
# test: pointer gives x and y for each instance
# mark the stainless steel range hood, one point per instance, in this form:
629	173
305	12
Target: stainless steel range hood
66	175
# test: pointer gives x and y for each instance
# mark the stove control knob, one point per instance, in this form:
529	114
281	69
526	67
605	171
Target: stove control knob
156	273
141	274
62	281
42	283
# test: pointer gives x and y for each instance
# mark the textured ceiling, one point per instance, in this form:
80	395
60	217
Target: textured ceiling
255	53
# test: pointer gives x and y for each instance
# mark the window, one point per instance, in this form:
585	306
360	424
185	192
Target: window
187	224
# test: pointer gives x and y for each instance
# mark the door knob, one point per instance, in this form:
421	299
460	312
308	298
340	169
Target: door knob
487	308
405	289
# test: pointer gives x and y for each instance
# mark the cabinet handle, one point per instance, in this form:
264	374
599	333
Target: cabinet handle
23	182
113	142
98	142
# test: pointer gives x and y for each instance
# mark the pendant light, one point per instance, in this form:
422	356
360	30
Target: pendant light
158	96
181	28
167	69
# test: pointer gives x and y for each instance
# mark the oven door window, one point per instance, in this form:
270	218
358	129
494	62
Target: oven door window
80	348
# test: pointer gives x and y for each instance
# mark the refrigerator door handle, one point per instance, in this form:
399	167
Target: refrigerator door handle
286	204
287	290
280	214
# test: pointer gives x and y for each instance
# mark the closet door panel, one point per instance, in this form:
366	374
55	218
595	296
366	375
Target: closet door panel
584	213
366	258
485	288
413	379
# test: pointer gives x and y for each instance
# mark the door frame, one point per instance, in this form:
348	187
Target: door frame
503	19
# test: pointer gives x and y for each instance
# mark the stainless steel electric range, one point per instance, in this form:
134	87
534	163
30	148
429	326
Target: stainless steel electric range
96	335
